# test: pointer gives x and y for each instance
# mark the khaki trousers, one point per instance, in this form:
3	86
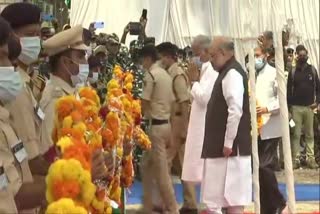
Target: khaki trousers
303	117
155	171
176	149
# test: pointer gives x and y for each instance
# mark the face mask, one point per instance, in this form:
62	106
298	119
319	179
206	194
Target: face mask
303	60
259	63
30	49
94	78
103	63
197	61
10	84
82	76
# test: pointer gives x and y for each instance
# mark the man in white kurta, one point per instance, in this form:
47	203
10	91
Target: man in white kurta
192	170
227	178
271	199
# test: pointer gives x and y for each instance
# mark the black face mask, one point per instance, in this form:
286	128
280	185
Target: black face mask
303	60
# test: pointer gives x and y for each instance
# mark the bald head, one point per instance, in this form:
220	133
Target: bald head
221	50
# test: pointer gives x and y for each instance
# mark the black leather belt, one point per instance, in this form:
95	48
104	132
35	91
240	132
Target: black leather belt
159	122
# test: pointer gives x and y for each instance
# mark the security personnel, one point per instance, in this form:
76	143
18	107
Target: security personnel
157	99
179	118
70	69
26	116
18	190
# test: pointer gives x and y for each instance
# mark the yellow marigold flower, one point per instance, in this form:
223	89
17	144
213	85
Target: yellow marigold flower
129	78
88	193
128	86
113	84
72	170
67	122
119	151
64	143
85	177
49	196
65	205
109	210
98	205
81	127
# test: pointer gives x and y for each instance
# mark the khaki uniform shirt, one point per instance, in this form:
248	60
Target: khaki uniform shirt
181	107
55	89
16	170
24	117
158	90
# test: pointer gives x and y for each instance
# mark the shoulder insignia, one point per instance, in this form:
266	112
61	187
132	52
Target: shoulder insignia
57	92
151	75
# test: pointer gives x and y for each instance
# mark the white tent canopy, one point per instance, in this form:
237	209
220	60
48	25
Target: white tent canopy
179	21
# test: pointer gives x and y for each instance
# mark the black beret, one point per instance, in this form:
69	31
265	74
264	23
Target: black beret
94	61
14	47
21	14
4	32
167	48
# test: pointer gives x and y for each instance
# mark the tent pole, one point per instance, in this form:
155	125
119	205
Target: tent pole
282	93
254	131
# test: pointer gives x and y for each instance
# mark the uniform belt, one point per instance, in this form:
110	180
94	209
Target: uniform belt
159	122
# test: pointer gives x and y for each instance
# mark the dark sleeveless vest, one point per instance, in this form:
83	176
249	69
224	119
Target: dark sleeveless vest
217	115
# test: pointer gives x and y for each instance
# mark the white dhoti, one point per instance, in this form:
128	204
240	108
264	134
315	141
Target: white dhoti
227	182
192	169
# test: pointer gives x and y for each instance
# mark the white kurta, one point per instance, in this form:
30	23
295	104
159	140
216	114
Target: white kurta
192	169
267	96
228	181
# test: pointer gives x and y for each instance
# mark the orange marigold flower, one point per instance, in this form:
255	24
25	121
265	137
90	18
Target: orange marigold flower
90	94
76	116
65	189
80	152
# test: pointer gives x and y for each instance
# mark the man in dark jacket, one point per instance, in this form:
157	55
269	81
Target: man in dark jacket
303	94
227	139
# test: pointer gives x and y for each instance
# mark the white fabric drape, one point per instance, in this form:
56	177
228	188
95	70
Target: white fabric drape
117	14
179	21
243	20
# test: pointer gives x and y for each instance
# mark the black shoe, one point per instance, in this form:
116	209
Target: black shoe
312	164
296	164
280	209
184	210
282	165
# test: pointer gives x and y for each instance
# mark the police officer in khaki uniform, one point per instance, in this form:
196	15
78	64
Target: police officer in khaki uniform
18	190
179	118
157	99
67	51
26	116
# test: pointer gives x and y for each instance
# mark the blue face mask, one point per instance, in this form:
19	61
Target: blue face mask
197	61
10	84
259	63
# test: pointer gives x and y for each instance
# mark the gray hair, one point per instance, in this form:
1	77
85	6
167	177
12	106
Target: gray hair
203	41
228	46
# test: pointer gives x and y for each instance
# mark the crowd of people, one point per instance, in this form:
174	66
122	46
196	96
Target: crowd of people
195	102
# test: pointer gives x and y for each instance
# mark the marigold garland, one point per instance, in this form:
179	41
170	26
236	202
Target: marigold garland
82	126
122	114
65	205
259	120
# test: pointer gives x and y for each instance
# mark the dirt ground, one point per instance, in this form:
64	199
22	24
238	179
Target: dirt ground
301	208
301	176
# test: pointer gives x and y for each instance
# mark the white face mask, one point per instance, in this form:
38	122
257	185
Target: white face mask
82	76
259	63
30	49
94	78
10	84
